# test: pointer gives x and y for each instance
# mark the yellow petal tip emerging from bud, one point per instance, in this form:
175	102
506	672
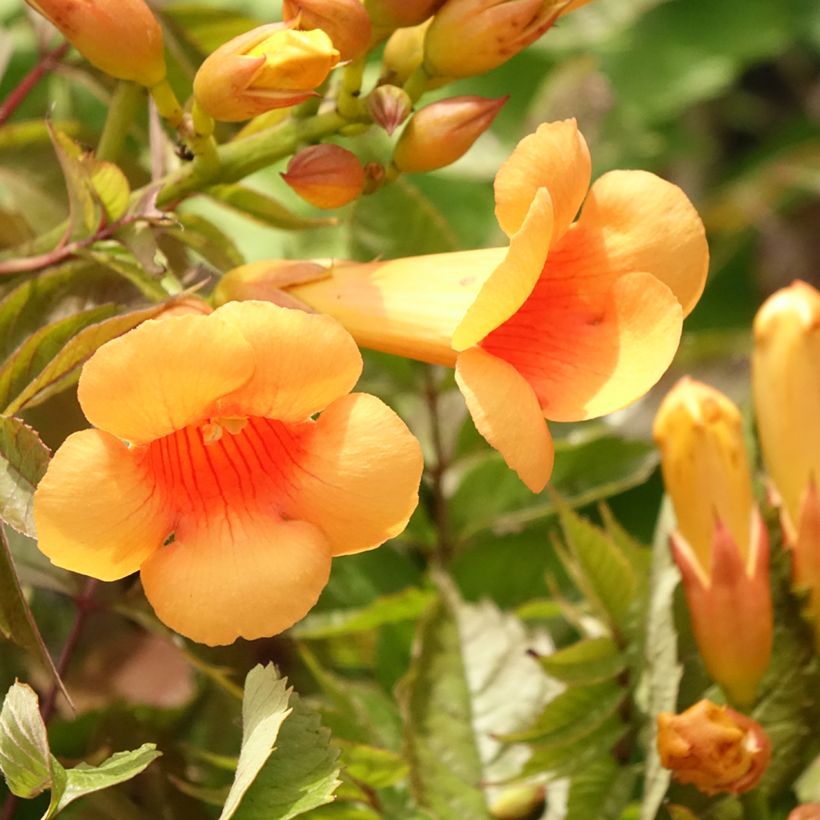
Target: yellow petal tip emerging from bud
327	176
714	748
345	21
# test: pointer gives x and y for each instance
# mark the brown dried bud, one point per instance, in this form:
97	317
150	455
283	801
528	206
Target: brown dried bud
327	176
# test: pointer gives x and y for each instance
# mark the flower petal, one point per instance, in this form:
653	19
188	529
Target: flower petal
361	469
303	361
509	285
636	221
506	412
163	375
97	510
231	577
555	157
587	348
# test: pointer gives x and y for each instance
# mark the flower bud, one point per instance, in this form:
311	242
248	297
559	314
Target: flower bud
442	132
470	37
389	106
272	66
721	545
345	21
806	811
265	281
714	748
786	386
403	53
390	14
120	37
327	176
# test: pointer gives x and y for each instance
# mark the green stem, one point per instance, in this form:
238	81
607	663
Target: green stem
125	102
755	806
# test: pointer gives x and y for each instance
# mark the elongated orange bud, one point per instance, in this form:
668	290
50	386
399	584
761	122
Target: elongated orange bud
327	176
442	132
714	748
470	37
346	22
120	37
272	66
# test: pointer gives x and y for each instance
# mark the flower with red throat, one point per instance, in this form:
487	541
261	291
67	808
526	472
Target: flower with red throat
209	474
572	320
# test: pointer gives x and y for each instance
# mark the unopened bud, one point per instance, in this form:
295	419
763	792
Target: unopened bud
266	280
327	176
389	106
346	22
120	37
714	748
185	307
391	14
272	66
403	53
442	132
470	37
806	811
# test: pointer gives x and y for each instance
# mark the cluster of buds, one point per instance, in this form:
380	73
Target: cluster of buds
716	749
721	544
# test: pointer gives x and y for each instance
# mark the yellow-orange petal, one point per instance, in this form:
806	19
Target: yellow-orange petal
97	510
636	221
237	577
509	285
506	412
588	351
555	157
163	375
304	361
360	473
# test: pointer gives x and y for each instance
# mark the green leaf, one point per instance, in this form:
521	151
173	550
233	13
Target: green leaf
23	462
16	620
601	790
206	239
71	784
372	766
64	367
601	570
588	661
111	188
470	680
26	363
302	773
25	759
264	709
113	255
264	209
84	211
387	609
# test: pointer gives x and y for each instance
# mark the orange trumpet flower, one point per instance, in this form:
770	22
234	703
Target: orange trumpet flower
573	320
208	473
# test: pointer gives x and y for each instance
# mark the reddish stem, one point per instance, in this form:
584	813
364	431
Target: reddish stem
46	63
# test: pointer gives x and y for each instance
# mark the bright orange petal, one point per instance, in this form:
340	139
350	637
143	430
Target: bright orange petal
636	221
506	412
588	348
303	361
250	577
360	475
555	157
97	510
512	281
163	375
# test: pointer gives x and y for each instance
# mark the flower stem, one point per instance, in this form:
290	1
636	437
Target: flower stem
16	97
124	105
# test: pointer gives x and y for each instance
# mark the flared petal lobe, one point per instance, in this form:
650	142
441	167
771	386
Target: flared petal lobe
359	474
555	157
230	577
163	375
98	510
506	412
303	361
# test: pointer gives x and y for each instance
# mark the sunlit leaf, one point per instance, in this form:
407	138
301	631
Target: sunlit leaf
25	758
374	767
85	213
588	661
23	462
111	187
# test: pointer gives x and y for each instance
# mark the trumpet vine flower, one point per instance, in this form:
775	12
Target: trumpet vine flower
208	473
571	320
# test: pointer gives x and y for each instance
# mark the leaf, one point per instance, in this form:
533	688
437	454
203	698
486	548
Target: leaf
264	209
23	462
601	790
85	213
301	774
469	681
71	784
111	188
387	609
113	255
264	709
16	620
372	766
588	661
601	570
206	239
63	369
25	758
